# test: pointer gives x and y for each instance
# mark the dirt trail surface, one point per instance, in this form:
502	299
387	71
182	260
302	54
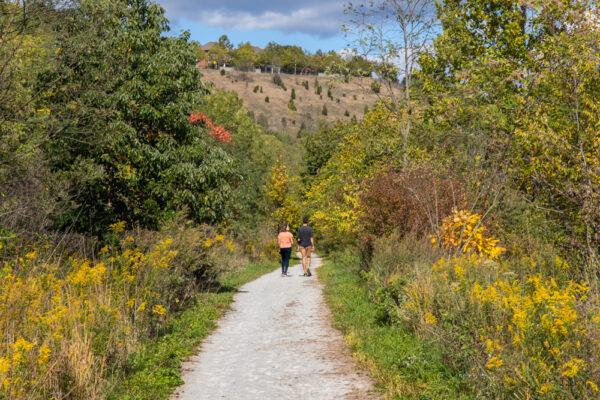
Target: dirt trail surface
276	343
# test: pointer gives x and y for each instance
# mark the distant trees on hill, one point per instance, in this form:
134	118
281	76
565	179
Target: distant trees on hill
282	58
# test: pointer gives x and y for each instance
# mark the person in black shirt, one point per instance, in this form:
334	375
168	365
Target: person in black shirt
306	245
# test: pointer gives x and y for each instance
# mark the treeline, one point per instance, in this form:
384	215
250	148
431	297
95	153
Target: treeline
286	58
125	187
471	203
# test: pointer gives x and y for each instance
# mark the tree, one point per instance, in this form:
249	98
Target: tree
225	43
414	24
120	95
245	56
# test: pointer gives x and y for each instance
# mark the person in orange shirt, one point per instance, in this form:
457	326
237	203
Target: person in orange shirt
285	240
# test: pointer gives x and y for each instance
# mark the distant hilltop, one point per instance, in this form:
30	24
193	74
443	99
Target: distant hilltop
277	58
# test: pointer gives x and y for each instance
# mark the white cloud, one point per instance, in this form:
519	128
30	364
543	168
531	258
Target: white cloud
320	18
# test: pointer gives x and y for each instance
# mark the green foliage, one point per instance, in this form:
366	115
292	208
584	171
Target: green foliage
278	81
318	89
376	87
121	135
404	365
293	94
291	105
266	99
346	113
324	110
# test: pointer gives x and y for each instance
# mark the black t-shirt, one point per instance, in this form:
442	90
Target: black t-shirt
304	235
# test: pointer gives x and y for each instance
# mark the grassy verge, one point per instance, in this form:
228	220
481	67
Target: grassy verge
155	370
402	365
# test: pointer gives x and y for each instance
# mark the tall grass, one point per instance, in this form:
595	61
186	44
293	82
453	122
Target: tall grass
69	324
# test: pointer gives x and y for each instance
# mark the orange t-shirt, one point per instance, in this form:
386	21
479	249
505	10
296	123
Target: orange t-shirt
285	240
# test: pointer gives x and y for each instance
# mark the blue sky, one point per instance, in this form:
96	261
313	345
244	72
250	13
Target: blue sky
312	24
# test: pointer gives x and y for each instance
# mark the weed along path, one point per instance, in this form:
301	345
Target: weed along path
276	343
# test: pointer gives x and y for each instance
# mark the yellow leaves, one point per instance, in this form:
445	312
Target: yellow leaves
463	230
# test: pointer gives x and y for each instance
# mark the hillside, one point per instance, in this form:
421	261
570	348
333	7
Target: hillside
351	97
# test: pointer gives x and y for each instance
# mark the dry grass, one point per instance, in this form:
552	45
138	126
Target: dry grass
353	97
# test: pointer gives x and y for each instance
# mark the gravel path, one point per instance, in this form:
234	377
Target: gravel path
276	343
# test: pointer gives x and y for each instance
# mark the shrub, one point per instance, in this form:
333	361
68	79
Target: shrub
324	110
346	113
329	94
413	201
305	84
67	324
291	105
318	90
261	89
375	87
266	99
354	97
222	72
256	88
293	94
278	81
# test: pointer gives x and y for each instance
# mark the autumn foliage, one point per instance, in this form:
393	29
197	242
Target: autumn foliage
409	202
218	132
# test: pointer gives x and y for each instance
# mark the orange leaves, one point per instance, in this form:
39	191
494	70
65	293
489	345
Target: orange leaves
218	132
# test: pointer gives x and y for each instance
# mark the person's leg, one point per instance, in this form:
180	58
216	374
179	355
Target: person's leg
303	254
286	260
282	254
308	252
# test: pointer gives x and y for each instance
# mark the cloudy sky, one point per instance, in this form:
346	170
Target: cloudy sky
313	24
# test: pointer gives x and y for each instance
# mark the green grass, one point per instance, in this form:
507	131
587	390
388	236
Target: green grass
402	365
155	370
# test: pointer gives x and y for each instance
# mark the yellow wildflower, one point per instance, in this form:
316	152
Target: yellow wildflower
159	309
545	388
494	362
592	386
117	227
4	365
44	354
572	367
430	319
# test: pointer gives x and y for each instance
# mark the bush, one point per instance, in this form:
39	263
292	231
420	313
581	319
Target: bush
69	323
324	110
291	105
329	93
266	99
256	88
318	90
375	87
346	113
413	201
222	72
305	84
278	81
293	94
